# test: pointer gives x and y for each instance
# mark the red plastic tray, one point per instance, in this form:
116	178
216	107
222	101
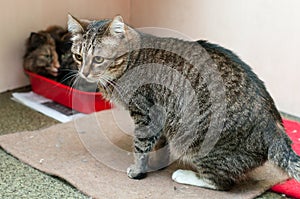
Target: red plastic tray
85	102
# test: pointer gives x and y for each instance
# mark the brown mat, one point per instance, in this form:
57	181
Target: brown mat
92	153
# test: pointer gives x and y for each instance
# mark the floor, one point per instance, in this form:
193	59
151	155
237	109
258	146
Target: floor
18	180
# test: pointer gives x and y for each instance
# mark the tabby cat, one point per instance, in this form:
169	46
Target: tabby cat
48	53
213	111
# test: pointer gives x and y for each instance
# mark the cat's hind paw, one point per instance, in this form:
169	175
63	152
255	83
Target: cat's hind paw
190	178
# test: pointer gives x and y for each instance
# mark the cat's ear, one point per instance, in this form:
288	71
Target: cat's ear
76	26
117	26
36	40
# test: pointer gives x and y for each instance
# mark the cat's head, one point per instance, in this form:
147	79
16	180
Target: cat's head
41	56
100	48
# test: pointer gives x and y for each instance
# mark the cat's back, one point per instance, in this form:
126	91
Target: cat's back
227	61
247	99
238	77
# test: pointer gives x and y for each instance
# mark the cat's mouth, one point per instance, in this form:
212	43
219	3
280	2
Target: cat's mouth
52	71
89	78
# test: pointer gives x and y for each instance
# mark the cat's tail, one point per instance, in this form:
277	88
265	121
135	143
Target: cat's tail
282	154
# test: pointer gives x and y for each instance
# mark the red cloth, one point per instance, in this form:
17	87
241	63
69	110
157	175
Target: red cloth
291	187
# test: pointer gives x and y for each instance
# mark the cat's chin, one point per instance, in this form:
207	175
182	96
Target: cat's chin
54	74
52	71
89	79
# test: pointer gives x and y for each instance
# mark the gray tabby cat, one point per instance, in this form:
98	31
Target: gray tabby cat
210	108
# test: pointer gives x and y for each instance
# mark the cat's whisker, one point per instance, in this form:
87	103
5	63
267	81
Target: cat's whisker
68	69
56	85
104	83
74	81
113	84
68	77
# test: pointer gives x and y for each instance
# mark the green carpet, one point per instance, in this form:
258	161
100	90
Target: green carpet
18	180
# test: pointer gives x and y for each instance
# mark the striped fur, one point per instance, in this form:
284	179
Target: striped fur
213	111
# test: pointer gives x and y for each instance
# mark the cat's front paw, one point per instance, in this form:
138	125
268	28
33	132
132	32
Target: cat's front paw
135	173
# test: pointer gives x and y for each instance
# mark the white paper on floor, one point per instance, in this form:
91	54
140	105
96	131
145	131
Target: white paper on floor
46	106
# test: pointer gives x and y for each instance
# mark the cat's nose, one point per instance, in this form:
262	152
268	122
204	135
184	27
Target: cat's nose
56	65
85	71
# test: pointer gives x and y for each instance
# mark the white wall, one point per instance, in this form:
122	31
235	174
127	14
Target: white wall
20	17
264	33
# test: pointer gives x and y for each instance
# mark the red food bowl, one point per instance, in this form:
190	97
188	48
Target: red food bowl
85	102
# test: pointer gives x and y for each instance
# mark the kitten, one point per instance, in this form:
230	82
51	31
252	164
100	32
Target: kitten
212	110
41	56
48	53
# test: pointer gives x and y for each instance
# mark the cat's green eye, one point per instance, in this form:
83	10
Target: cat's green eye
77	57
98	59
49	57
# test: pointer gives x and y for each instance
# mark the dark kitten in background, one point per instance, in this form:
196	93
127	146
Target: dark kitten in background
48	53
41	56
213	111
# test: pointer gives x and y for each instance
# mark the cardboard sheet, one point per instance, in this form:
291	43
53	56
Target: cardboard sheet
93	152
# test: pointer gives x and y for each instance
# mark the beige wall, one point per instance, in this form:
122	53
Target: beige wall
264	33
20	17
